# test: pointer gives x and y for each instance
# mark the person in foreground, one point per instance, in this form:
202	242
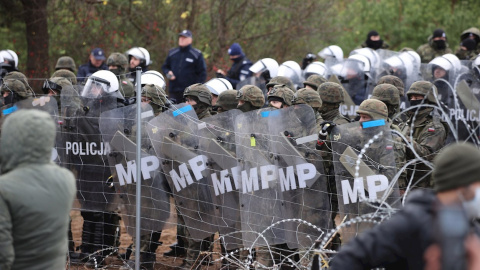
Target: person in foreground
36	195
402	241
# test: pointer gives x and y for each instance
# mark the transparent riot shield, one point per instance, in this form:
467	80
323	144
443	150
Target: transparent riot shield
118	129
300	174
260	191
217	142
365	170
45	103
174	139
86	153
353	78
348	107
463	116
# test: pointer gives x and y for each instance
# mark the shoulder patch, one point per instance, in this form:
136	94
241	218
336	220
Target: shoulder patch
124	82
173	51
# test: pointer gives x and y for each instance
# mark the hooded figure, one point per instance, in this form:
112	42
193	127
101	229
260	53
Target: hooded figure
36	195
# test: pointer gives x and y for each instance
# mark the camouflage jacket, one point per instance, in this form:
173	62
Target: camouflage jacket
427	52
206	113
126	87
428	135
466	55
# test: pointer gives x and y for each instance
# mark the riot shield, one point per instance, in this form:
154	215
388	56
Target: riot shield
365	171
118	128
464	116
44	103
173	136
300	173
86	152
260	192
217	142
347	107
353	78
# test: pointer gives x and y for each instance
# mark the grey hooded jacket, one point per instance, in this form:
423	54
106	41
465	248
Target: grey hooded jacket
36	195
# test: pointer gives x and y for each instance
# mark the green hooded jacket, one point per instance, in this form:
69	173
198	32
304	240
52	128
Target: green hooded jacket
36	195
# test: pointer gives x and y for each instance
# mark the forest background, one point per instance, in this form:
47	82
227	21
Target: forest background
40	31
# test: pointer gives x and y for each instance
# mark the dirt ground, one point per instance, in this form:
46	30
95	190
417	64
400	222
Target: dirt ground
168	237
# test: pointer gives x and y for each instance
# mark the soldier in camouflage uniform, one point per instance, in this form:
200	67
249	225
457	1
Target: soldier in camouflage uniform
156	97
437	46
54	86
331	95
250	98
118	63
226	101
471	33
314	81
66	62
280	96
388	94
424	130
200	98
22	78
398	83
280	80
311	98
395	81
67	74
467	49
14	90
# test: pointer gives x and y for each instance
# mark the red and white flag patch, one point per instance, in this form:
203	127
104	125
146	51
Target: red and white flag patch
124	82
431	129
389	147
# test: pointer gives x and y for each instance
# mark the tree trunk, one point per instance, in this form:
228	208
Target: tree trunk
37	41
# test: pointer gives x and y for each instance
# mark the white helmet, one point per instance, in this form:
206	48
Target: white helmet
218	85
371	54
264	64
364	60
332	51
153	77
11	56
140	53
316	67
291	70
100	83
448	62
410	60
476	62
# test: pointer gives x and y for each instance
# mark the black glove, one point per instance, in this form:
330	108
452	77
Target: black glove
327	127
219	75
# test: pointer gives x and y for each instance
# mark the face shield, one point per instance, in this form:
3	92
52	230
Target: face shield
96	88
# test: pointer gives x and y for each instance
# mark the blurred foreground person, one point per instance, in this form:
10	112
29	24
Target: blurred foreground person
36	195
400	242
